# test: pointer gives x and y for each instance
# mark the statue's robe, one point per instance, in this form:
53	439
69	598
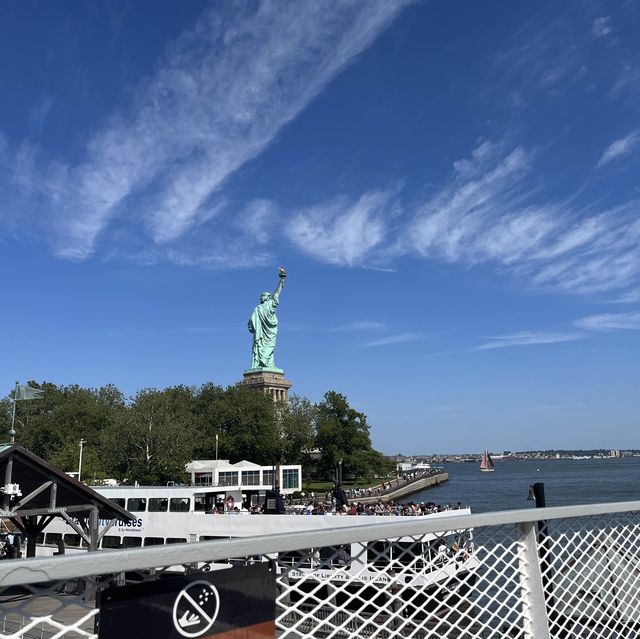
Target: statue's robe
263	323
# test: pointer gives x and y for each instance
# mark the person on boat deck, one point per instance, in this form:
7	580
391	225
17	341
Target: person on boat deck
343	558
442	551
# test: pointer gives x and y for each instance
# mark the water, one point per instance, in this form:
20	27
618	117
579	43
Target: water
566	482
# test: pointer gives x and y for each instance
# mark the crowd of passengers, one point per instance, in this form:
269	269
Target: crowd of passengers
380	508
333	506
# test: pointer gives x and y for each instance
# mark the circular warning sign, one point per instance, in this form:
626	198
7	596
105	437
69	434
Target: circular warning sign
196	608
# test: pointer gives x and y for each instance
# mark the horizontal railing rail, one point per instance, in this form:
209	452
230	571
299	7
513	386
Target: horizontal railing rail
555	572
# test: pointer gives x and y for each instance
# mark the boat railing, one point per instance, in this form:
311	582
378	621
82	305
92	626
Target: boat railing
558	572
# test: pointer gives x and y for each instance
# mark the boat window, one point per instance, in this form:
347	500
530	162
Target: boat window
136	504
176	540
131	542
228	478
408	553
203	479
298	558
118	501
179	504
334	555
153	541
379	554
158	504
212	537
290	478
53	538
71	540
250	477
200	503
111	541
40	538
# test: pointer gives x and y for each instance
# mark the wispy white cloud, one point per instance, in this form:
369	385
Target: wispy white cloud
491	212
620	147
358	326
565	410
399	338
224	91
610	322
447	225
527	338
341	231
257	220
601	26
545	55
629	297
628	80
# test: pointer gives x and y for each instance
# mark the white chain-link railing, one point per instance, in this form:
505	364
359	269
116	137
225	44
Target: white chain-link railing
545	573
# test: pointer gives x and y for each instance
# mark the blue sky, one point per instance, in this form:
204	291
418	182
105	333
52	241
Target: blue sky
452	187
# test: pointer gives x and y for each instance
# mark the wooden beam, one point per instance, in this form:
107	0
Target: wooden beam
106	529
31	495
93	529
45	511
17	522
75	527
45	521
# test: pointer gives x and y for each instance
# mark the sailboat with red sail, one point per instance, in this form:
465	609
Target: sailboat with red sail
486	465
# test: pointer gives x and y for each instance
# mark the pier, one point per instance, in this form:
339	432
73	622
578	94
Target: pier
399	489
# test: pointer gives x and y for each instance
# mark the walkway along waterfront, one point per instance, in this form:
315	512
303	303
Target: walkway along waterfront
576	576
398	489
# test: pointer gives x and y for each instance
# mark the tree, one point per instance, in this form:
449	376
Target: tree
244	420
343	434
297	430
154	438
52	426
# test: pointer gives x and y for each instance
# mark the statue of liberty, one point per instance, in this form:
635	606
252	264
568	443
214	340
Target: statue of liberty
263	324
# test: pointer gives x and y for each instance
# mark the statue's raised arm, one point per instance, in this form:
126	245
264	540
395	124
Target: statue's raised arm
282	274
263	324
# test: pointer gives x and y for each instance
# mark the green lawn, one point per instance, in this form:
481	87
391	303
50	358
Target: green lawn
324	486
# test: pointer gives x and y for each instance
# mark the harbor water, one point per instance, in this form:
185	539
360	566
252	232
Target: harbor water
566	482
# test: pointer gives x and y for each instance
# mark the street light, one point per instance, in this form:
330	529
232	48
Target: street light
82	443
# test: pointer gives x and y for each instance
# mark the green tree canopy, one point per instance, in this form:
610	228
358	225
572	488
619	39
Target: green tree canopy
343	434
153	440
244	420
150	438
297	431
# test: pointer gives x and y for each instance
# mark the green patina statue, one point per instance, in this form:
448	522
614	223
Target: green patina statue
263	324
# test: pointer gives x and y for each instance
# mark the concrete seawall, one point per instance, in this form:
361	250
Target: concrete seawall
410	488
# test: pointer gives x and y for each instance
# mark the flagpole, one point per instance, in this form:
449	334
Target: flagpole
12	432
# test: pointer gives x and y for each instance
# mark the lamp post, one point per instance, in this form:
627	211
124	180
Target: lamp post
82	443
216	446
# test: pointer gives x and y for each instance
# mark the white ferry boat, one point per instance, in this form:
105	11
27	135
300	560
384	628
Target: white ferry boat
428	567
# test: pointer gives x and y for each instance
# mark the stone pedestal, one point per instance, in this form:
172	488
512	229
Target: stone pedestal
269	381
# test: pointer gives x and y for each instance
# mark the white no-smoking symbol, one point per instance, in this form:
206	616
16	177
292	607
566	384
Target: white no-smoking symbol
196	608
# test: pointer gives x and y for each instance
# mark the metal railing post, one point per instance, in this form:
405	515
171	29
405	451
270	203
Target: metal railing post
536	624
